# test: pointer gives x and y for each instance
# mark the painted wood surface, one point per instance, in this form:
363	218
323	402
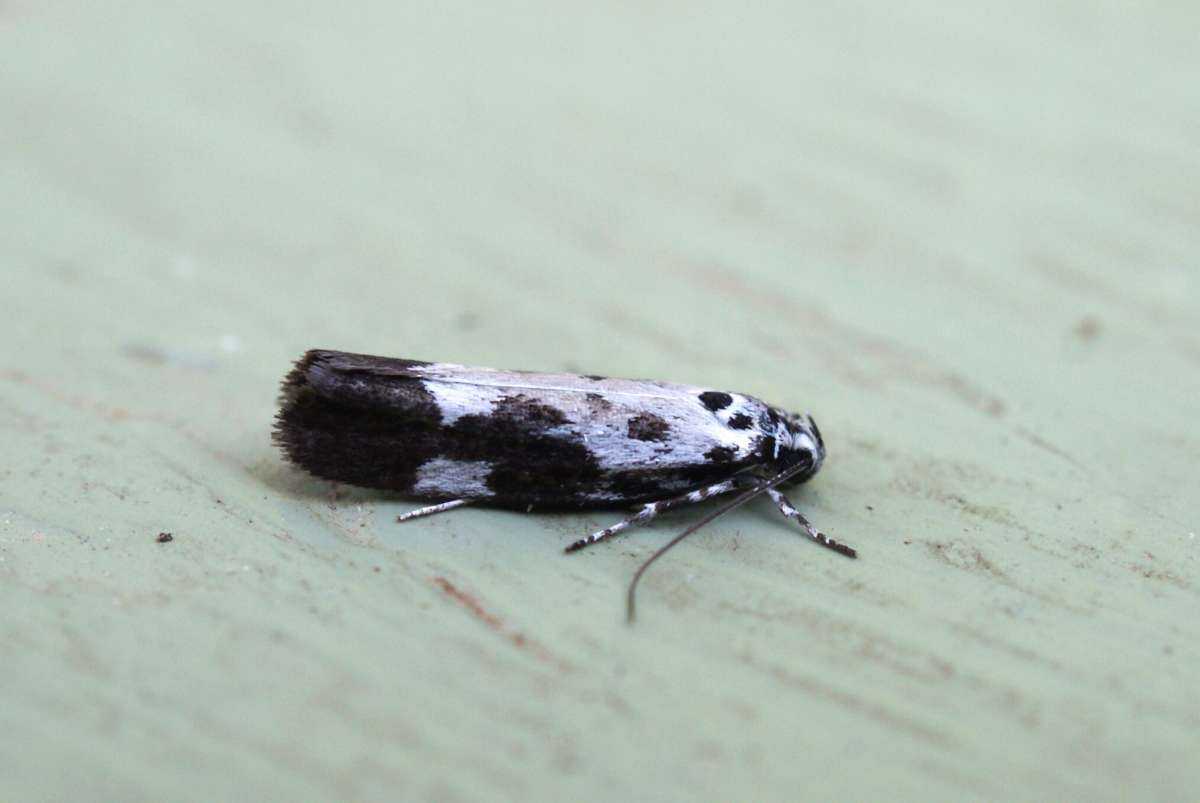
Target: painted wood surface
965	238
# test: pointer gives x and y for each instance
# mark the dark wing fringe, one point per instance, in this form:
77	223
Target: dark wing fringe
342	425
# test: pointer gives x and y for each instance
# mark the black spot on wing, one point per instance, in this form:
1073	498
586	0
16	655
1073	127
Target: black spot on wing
595	377
740	421
721	454
597	402
523	411
715	400
648	427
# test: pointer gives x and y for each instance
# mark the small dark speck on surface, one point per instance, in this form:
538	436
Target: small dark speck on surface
869	508
164	538
1087	328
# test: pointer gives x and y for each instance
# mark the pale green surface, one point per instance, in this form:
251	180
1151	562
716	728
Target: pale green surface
966	240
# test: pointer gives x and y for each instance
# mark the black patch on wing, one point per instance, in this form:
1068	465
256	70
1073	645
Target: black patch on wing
740	421
715	400
529	465
648	427
721	454
598	402
343	421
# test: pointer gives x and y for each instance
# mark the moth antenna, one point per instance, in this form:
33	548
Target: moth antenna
734	503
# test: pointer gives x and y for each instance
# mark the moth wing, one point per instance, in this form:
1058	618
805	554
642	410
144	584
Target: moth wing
628	425
439	429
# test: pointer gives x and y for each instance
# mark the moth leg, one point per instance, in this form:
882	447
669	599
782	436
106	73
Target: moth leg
651	510
441	507
787	509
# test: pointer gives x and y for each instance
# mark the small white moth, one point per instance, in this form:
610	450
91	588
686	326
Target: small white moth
523	440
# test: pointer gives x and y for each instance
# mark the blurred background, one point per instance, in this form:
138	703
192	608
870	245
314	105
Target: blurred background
964	238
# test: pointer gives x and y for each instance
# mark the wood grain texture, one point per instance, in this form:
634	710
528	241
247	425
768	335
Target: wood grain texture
965	238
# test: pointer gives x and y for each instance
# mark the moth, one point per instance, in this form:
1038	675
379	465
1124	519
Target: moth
457	435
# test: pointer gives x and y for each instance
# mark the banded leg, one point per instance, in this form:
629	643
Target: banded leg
787	509
651	510
441	507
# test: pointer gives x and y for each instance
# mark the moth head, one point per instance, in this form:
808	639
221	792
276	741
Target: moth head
797	440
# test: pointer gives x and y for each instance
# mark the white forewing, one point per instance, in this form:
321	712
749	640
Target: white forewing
532	382
599	411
